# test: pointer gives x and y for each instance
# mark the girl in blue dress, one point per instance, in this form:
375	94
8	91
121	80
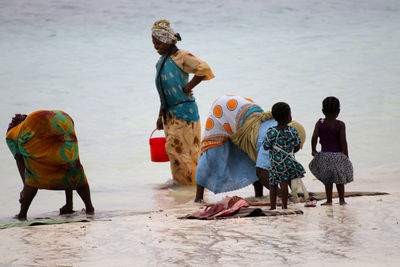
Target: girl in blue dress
282	141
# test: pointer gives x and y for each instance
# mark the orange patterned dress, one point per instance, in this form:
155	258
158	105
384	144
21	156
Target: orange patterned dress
48	144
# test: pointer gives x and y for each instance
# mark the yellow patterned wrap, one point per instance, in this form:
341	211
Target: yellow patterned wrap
48	144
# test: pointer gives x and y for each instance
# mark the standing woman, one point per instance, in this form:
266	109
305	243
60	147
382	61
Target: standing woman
178	116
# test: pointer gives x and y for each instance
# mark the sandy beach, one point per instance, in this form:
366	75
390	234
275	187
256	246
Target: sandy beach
363	233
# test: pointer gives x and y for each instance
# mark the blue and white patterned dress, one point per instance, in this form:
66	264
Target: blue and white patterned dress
284	166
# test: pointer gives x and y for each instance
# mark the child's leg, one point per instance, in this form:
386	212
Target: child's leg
263	177
199	193
258	189
289	183
272	196
340	189
328	191
68	207
284	194
84	193
26	197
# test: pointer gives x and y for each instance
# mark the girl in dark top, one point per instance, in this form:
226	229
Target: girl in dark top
332	164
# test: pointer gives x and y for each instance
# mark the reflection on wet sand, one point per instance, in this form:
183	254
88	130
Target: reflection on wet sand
361	232
49	244
177	195
337	231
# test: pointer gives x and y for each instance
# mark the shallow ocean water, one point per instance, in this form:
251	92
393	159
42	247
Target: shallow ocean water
95	60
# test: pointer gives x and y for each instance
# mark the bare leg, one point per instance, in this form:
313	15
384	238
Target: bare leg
26	197
289	183
263	177
340	189
199	193
258	189
272	196
68	207
328	191
284	191
84	193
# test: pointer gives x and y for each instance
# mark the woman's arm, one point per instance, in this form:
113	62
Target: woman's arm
314	140
266	143
343	141
193	82
296	148
159	123
192	64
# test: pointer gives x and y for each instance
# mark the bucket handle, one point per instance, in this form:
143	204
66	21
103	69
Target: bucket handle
153	132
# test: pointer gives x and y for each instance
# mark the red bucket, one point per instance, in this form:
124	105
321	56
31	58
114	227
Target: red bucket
157	148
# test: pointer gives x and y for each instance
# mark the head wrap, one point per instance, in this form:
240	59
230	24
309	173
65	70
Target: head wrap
17	119
164	33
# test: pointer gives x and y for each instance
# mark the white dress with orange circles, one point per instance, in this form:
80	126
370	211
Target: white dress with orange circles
226	116
223	166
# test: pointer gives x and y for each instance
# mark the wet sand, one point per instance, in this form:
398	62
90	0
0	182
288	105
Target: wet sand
363	233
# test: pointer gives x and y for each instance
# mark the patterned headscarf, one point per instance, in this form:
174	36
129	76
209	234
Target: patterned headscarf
164	33
17	119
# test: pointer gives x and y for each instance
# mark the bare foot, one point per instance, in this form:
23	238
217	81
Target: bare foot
342	203
284	207
20	217
272	208
66	210
89	211
199	201
326	204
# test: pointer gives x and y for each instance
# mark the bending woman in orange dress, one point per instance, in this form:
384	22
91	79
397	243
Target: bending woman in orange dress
45	148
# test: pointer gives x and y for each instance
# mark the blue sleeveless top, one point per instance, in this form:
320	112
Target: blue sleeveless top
170	81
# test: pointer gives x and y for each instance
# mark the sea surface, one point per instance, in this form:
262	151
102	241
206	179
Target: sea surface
95	60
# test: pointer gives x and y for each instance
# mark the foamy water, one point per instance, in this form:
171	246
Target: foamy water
95	60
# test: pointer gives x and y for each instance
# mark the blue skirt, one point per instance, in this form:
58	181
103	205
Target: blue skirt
226	168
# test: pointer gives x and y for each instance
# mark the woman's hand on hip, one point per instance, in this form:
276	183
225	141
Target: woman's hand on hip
188	91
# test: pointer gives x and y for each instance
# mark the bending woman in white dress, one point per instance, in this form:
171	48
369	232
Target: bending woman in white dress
232	156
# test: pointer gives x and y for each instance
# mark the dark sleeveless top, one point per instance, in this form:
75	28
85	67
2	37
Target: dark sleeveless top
329	139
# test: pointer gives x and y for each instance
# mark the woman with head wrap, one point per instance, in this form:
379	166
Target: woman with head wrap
178	114
232	155
45	148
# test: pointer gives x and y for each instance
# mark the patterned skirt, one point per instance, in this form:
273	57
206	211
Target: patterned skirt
332	167
183	148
